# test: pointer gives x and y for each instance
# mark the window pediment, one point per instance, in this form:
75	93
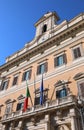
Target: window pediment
9	101
78	76
21	97
61	82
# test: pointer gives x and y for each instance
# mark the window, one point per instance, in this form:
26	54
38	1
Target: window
8	108
37	100
19	106
42	68
4	85
26	75
20	102
60	60
15	80
9	105
77	51
61	93
37	96
81	89
44	29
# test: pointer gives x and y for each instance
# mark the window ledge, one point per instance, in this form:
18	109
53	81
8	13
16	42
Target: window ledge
60	67
78	59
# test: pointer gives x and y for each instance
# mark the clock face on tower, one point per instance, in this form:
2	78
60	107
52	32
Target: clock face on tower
43	37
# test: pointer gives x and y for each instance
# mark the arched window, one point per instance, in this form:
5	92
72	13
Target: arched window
44	28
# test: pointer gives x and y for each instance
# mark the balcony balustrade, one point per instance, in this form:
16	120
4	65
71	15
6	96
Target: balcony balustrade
39	108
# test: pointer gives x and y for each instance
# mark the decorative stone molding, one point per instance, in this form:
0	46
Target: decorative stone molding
47	118
72	112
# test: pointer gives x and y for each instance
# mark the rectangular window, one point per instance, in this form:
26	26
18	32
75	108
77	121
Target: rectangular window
81	89
61	93
37	100
19	106
77	52
15	80
60	60
42	68
37	97
8	108
4	85
26	75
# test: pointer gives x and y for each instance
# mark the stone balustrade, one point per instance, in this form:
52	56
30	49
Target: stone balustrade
40	108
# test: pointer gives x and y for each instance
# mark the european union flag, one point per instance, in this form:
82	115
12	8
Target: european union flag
41	92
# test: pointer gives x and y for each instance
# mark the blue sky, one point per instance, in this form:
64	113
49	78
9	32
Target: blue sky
17	19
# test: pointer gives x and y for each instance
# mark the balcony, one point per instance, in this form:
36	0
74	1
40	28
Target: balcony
48	106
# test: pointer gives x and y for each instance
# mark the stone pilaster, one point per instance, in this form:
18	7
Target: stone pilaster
73	119
47	122
20	125
4	127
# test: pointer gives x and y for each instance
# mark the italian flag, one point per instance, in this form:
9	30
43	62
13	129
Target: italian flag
26	100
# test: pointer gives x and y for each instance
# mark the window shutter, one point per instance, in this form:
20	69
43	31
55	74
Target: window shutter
57	94
75	53
7	84
38	70
45	97
46	66
15	80
79	53
55	61
1	85
23	76
17	108
30	71
82	89
64	58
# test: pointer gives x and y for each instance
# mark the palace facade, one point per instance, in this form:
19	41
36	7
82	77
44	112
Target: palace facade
57	54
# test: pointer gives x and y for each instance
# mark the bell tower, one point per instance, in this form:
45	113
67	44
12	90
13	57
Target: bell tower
46	23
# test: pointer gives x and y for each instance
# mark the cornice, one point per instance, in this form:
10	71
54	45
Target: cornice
40	48
47	76
43	18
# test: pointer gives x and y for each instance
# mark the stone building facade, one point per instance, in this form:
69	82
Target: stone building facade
57	54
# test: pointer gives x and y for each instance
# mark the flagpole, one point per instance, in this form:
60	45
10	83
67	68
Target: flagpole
41	92
34	85
30	94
